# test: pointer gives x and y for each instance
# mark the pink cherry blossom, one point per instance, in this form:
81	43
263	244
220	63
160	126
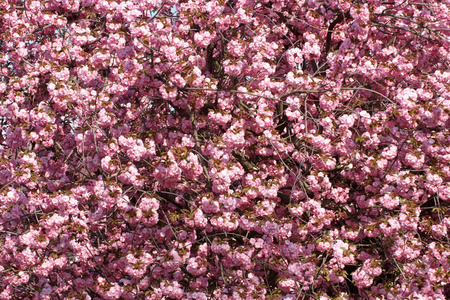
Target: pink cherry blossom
224	149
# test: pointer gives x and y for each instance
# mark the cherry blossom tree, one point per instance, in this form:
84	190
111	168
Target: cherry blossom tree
224	149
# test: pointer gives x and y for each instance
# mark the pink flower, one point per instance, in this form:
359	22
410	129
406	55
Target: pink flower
389	202
236	48
343	252
172	289
270	228
227	221
294	57
197	296
105	119
107	165
347	120
361	278
234	68
196	266
168	173
191	166
415	160
311	50
390	152
209	206
228	203
234	138
131	176
220	247
178	80
287	285
198	220
362	13
203	39
219	118
114	292
391	227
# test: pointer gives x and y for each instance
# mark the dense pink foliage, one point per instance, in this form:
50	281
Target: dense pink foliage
241	149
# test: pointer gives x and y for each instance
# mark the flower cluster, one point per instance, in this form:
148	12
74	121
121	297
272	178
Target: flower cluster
224	149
